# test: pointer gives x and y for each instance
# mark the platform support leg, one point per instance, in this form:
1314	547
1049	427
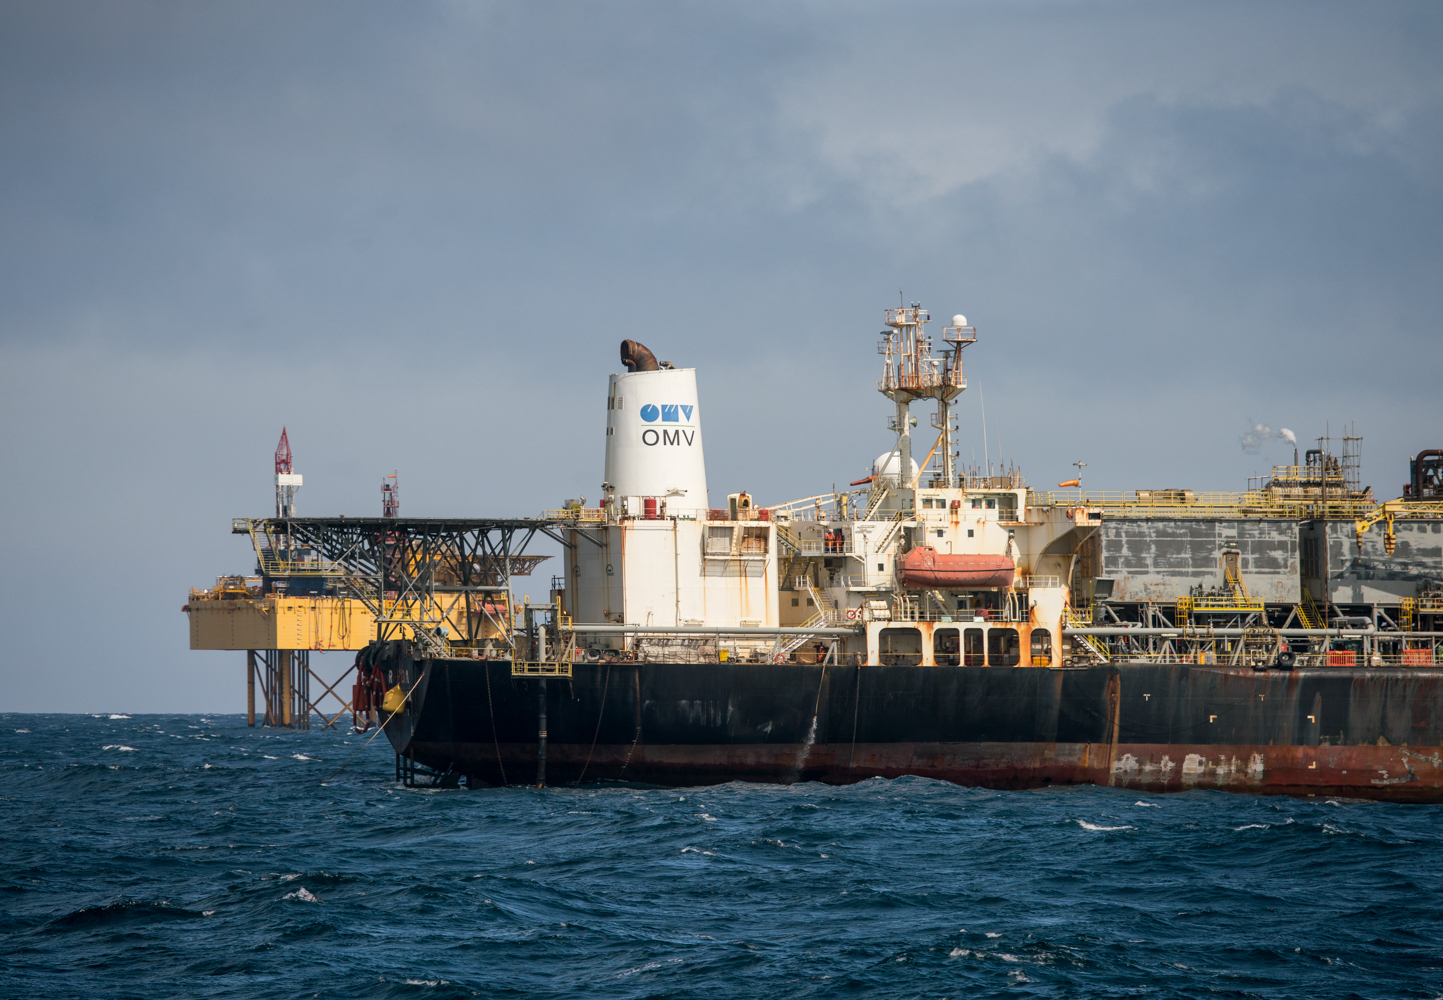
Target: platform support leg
285	655
251	688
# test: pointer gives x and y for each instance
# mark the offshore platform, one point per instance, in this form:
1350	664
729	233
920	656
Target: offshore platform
330	584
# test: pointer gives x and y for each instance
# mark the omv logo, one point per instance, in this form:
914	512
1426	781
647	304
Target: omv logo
669	413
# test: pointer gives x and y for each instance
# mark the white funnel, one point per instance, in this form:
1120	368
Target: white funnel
653	437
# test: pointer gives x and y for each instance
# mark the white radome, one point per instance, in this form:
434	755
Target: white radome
888	463
959	320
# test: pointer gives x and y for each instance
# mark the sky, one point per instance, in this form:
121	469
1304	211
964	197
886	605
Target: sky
414	235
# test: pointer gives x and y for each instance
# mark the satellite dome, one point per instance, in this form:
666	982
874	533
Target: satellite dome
959	320
888	463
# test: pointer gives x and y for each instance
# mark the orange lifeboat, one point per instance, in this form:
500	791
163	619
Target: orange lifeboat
925	567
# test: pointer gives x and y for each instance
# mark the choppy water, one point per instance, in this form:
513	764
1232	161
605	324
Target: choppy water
181	856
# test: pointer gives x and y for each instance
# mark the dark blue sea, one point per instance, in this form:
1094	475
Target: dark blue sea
188	856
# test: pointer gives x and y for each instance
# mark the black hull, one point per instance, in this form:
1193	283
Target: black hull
1151	727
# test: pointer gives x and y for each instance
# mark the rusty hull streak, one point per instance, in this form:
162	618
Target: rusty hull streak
1394	773
1143	727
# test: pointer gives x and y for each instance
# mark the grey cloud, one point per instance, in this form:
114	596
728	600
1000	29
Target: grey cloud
410	232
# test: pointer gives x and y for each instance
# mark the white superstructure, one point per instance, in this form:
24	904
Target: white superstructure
938	567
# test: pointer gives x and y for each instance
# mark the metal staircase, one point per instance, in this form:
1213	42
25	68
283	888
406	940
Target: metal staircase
876	503
787	537
826	616
1308	612
1092	642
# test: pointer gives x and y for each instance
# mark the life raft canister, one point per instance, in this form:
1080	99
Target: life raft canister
925	567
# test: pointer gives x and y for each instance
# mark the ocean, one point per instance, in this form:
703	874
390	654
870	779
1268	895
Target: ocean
190	856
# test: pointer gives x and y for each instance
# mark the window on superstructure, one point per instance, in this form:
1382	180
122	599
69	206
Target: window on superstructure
754	541
972	648
719	540
1041	647
946	647
1003	647
900	647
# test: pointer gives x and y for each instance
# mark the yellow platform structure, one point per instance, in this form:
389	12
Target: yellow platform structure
233	615
319	623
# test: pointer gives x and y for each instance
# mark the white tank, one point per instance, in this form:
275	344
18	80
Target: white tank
888	463
653	438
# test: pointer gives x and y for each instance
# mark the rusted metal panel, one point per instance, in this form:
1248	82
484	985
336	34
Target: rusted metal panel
1162	559
1360	571
1408	774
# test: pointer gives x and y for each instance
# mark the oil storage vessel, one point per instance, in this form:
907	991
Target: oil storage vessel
937	620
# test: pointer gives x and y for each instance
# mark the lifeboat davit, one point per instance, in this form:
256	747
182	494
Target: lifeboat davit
925	567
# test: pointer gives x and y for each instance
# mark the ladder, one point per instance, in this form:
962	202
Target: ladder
886	540
876	503
1183	613
1308	612
826	615
787	538
1092	642
1407	607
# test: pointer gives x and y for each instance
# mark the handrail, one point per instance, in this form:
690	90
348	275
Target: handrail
590	514
1250	503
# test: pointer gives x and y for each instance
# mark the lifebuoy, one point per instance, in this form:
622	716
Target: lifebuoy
779	658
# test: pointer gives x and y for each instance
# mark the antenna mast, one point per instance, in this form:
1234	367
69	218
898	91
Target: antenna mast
909	371
287	482
390	496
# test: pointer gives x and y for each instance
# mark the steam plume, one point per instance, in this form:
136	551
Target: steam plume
1253	440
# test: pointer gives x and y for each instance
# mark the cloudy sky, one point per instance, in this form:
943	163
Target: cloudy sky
415	233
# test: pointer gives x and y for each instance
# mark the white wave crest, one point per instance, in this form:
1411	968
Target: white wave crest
303	894
1252	826
117	746
1100	829
120	716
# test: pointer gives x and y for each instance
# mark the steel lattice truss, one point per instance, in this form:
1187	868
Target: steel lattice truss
398	566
